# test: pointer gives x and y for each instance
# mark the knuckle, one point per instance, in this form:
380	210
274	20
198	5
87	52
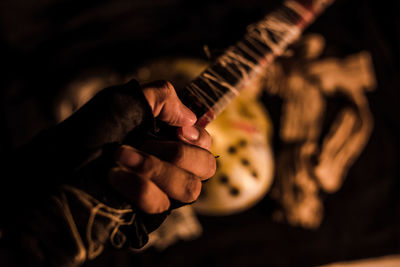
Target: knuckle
168	86
166	92
161	90
145	200
165	89
148	167
146	197
161	95
178	154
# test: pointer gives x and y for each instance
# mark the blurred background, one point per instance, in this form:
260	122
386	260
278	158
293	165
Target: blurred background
57	54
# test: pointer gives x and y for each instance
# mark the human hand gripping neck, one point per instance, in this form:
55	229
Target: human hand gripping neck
162	170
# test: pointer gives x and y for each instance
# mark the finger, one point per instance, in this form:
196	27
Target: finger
195	135
143	193
191	158
174	181
166	105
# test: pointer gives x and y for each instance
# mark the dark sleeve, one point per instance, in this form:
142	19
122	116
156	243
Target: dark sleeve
57	207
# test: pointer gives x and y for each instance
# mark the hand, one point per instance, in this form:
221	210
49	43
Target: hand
165	169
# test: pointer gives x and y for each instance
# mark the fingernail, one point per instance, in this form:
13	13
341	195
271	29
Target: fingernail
190	133
129	156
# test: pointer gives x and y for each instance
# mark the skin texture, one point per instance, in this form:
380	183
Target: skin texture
161	170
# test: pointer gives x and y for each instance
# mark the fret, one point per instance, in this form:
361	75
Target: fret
206	89
230	68
221	81
248	52
205	94
216	88
193	91
256	52
212	85
193	97
218	85
225	73
273	35
235	58
258	45
291	16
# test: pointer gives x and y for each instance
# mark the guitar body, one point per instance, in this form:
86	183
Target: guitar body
242	132
241	138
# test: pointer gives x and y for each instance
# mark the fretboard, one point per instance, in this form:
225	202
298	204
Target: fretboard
210	93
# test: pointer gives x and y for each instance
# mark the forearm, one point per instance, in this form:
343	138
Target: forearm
69	195
56	210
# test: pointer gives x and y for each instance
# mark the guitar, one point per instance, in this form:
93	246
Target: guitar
242	130
215	88
211	92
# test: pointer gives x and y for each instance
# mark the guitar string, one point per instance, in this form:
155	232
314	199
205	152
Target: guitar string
269	37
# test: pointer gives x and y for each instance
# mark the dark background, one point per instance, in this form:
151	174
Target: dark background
47	44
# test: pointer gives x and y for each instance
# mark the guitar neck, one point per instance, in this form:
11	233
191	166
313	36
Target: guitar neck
209	94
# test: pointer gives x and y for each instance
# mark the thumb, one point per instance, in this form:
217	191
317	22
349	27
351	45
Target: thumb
166	105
